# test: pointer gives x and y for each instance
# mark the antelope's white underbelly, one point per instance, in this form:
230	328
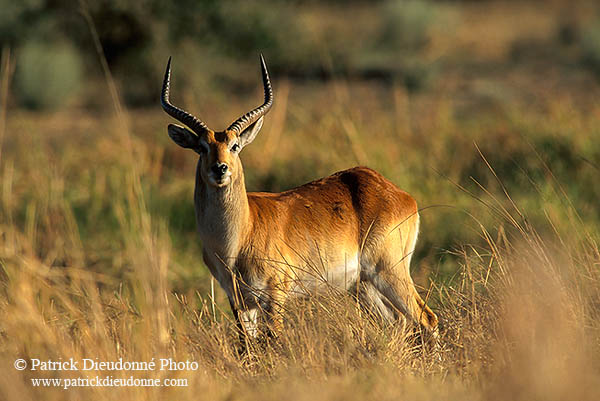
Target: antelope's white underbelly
322	275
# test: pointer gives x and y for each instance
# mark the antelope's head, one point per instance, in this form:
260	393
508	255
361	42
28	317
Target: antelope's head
219	150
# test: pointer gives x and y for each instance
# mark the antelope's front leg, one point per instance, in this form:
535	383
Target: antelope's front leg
248	319
276	310
267	309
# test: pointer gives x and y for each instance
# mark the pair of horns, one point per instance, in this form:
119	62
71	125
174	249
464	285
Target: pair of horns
198	126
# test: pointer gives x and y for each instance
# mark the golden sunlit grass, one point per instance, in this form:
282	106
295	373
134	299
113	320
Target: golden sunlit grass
99	258
97	263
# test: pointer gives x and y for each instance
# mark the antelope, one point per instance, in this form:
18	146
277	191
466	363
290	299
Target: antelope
353	230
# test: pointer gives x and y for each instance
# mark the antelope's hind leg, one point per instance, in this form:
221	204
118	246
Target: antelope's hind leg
377	305
396	299
390	277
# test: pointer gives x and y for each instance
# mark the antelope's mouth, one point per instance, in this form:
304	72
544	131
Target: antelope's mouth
220	182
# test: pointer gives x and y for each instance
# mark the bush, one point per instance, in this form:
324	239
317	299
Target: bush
406	24
590	46
397	52
48	75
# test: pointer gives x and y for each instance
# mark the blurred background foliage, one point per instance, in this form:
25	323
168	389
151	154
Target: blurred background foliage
382	39
422	90
389	40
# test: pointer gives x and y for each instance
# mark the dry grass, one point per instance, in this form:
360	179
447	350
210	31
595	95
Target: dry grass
520	322
100	260
93	267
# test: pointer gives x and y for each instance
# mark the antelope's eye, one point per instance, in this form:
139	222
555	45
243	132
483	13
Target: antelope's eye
235	148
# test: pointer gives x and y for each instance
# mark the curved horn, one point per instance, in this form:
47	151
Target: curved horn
250	117
183	116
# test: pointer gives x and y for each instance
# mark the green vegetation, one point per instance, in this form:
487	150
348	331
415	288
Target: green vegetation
487	113
48	75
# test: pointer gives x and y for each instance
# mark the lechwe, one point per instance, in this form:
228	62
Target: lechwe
353	230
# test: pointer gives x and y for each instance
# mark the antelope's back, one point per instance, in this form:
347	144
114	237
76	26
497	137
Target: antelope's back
328	222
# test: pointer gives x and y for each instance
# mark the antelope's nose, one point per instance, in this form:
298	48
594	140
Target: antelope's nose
219	169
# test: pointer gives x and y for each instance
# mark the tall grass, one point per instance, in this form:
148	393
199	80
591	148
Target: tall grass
100	259
96	264
520	321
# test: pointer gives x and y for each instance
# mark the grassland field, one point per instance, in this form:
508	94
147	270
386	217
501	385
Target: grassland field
99	256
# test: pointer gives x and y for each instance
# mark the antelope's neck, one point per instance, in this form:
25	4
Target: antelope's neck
222	216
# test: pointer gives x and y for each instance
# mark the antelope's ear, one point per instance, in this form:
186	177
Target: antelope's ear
183	136
250	133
